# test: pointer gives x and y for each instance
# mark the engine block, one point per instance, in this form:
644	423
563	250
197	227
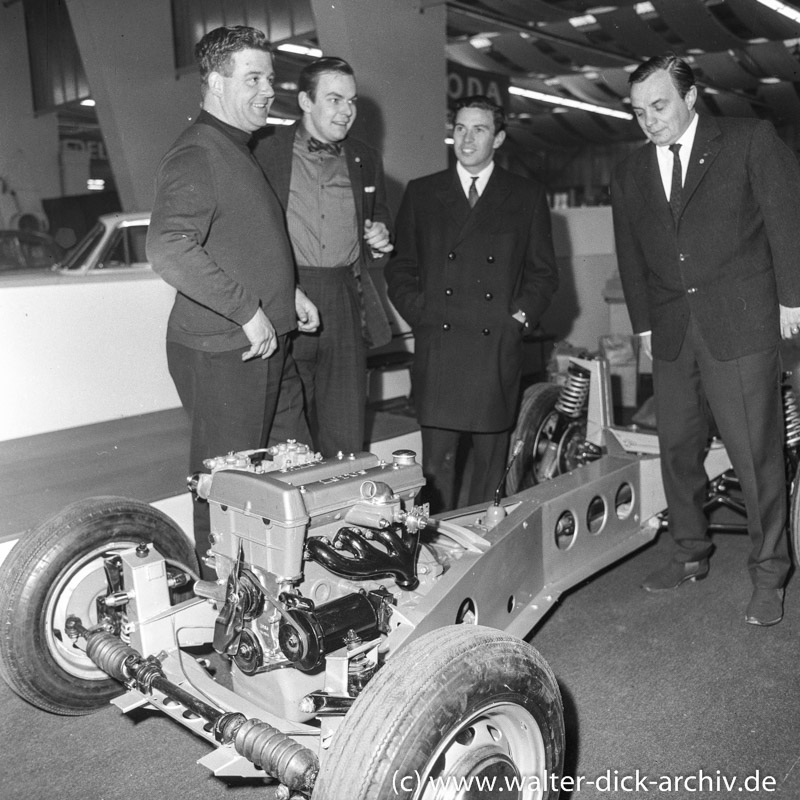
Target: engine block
261	513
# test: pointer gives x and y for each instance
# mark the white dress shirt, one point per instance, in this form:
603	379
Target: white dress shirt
466	178
666	159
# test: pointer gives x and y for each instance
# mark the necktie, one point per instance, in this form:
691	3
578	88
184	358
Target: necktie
316	146
473	195
677	182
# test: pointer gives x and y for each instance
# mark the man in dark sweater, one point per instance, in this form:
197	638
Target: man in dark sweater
217	234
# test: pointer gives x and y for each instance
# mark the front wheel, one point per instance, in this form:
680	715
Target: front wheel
57	571
463	711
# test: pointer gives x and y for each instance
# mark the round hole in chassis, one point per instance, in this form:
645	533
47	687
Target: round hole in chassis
467	613
596	514
623	501
565	530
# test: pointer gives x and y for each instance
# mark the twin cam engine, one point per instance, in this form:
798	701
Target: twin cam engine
306	552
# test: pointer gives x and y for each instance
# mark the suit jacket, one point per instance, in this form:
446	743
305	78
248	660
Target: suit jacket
273	150
457	276
733	254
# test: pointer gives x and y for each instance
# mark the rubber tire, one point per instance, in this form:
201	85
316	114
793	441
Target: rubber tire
29	579
538	402
422	694
794	518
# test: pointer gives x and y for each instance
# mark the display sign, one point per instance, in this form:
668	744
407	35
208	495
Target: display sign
464	82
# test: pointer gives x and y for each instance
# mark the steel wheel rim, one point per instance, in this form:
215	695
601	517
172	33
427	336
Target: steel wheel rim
541	468
74	594
501	739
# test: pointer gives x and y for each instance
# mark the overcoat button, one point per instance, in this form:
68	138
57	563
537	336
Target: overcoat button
446	326
489	296
448	292
485	331
692	290
451	256
490	259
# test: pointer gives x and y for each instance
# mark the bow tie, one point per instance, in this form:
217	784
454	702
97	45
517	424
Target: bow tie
316	146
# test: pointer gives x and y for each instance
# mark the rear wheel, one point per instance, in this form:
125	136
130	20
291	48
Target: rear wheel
549	440
794	518
57	571
462	712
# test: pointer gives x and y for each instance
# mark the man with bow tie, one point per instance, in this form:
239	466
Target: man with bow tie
707	226
332	190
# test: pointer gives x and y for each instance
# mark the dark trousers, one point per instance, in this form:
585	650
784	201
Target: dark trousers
440	448
231	404
331	363
744	398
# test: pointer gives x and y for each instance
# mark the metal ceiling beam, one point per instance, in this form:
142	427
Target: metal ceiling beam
536	33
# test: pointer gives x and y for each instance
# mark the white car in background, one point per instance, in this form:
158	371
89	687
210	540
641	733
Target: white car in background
116	244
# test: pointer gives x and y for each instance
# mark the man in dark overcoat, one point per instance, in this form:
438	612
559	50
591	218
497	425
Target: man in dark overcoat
473	269
707	223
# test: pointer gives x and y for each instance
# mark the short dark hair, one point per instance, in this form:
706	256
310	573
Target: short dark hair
214	51
309	75
678	69
483	102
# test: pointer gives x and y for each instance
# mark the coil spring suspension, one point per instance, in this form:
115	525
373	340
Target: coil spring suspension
574	392
791	413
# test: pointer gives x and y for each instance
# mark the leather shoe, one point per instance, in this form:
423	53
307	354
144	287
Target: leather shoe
765	607
674	574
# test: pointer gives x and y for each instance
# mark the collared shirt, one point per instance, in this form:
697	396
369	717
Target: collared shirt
466	177
321	213
666	159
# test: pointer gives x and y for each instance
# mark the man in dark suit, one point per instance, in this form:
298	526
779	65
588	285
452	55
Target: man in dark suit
707	225
218	236
332	190
473	269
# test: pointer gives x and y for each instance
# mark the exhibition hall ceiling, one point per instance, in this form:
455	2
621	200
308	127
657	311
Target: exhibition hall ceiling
745	53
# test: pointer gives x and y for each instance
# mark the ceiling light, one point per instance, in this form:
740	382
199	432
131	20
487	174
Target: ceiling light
644	8
279	121
583	22
563	101
88	102
480	42
782	8
300	50
769	80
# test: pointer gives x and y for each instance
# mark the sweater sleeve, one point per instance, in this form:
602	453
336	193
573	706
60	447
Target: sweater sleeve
183	213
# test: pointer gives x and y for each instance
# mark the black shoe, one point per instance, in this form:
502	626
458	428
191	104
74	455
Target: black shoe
674	574
765	607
